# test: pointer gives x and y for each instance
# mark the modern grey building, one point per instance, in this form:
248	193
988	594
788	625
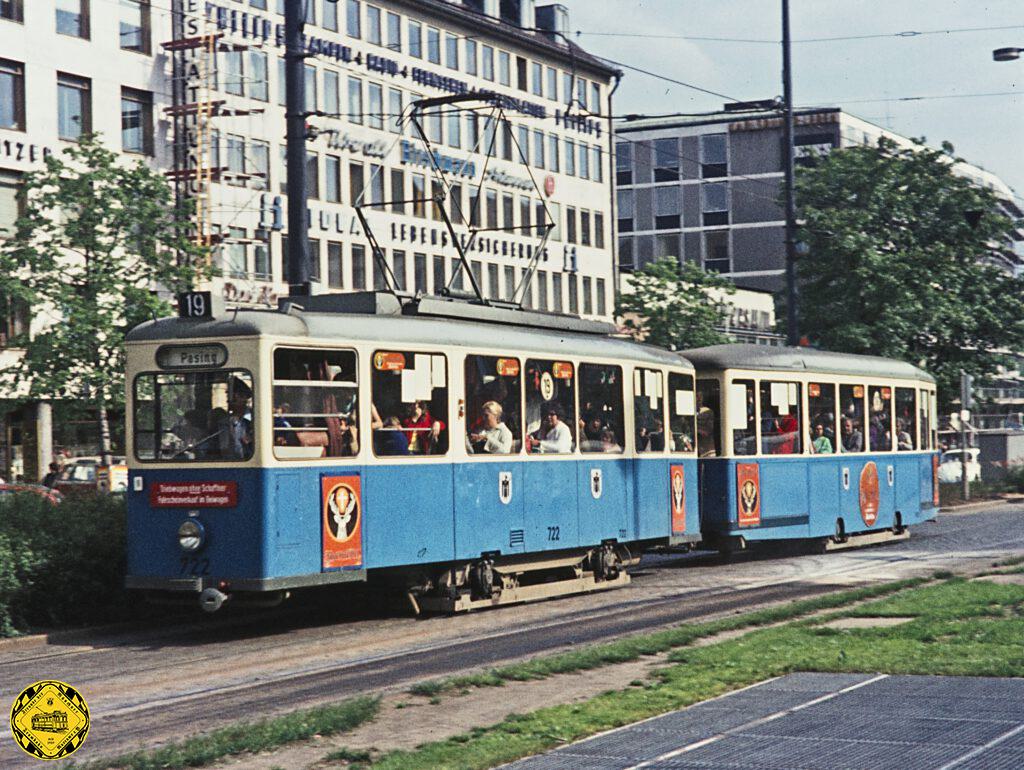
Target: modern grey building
708	188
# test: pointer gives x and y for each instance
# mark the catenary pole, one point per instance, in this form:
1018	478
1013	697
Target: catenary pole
792	330
295	112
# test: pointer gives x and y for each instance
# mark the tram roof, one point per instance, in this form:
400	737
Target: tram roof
396	330
762	357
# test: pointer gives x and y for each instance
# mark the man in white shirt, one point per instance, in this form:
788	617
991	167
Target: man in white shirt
553	436
494	437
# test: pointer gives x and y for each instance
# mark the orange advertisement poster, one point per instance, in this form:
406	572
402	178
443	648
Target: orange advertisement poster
342	518
748	494
677	491
869	494
935	480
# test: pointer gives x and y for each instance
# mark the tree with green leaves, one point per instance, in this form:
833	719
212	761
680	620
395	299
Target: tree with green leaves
675	306
899	262
98	247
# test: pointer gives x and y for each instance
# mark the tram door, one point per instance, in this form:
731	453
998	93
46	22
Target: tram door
603	473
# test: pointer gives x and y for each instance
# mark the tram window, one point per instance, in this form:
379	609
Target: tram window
602	424
550	407
709	410
780	418
410	403
682	410
741	417
922	411
880	431
648	410
493	405
194	416
821	408
851	422
906	420
933	420
315	403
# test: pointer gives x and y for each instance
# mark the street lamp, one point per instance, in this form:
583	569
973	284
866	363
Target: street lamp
1007	54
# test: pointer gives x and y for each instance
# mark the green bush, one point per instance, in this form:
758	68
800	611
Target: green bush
1014	479
61	565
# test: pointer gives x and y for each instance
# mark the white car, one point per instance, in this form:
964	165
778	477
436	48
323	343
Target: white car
951	468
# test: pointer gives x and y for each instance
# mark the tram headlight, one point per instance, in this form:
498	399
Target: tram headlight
191	536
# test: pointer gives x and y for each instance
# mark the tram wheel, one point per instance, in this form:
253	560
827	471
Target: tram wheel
606	563
481	579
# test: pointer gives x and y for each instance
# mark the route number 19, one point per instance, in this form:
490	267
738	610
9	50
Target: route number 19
195	304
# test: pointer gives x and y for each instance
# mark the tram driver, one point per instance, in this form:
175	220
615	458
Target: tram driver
235	429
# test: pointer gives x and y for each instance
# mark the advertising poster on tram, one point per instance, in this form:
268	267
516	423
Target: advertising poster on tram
342	521
748	494
678	498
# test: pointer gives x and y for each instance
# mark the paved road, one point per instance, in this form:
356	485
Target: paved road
812	721
145	688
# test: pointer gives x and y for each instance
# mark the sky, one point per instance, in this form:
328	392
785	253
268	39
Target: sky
871	78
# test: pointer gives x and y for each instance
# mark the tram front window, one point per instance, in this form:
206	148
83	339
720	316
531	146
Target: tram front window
194	416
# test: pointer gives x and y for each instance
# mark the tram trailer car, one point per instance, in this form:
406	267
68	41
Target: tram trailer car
797	443
470	461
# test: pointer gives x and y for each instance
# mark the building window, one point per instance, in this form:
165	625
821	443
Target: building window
259	76
551	89
584	164
471	57
581	92
74	106
623	163
433	45
259	160
261	262
135	25
394	32
626	255
10	205
567	87
538	149
451	51
282	83
487	63
588	299
454	129
553	160
373	27
335	274
330	16
394	111
358	266
352	19
667	208
570	224
137	121
521	83
584	227
375	106
570	157
332	93
713	159
624	204
595	164
236	159
574	294
601	302
234	253
537	78
12	10
332	179
234	78
398	268
311	88
12	95
598	231
397	191
595	98
666	160
416	39
355	100
377	185
715	203
439	278
419	194
491	197
355	184
419	270
73	17
716	251
504	68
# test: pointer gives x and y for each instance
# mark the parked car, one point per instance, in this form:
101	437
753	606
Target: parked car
52	495
88	474
951	467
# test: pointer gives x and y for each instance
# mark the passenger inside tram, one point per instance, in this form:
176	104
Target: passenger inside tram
553	436
493	436
821	444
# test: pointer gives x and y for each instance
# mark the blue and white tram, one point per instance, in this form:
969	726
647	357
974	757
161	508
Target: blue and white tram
473	460
796	443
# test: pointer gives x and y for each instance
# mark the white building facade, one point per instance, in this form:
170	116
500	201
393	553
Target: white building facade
196	89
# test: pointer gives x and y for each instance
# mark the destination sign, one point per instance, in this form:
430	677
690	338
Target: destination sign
191	356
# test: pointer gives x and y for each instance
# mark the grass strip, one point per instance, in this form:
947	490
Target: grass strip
245	737
961	628
633	648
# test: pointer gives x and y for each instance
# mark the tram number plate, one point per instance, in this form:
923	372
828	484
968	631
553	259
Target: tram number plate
554	533
195	566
